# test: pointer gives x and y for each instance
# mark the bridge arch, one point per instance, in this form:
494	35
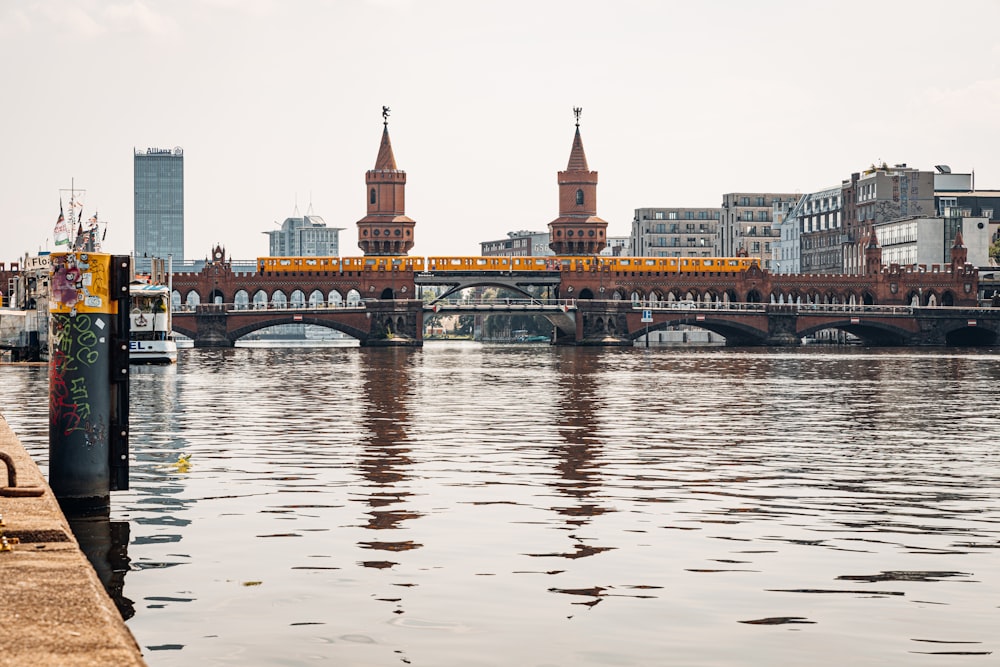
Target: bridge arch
279	319
872	333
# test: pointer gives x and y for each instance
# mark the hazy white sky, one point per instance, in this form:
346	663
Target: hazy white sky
278	102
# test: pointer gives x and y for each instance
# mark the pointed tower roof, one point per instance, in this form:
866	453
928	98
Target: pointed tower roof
959	241
577	158
386	160
872	239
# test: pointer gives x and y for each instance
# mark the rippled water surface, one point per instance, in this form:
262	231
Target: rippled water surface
471	505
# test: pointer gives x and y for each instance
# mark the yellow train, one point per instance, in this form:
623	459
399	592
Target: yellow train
506	264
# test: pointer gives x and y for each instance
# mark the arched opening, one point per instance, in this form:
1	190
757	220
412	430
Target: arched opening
353	297
175	299
334	298
278	299
948	299
585	293
297	299
316	299
868	299
193	298
260	300
216	296
387	294
241	299
579	197
753	296
371	196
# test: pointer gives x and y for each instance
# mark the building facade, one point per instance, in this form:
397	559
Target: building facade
304	236
746	224
517	244
158	222
819	219
675	232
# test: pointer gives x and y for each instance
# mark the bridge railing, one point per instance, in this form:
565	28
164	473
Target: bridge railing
800	308
527	304
227	307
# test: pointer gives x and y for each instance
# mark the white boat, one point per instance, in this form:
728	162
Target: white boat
150	338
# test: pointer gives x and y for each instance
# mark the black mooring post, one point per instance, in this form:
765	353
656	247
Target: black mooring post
88	386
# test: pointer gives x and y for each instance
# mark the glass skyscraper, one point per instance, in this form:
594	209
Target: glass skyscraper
159	205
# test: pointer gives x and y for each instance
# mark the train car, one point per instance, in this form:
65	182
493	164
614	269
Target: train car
338	264
298	264
464	264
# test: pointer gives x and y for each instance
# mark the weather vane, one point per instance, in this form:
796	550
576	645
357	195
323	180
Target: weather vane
576	112
385	115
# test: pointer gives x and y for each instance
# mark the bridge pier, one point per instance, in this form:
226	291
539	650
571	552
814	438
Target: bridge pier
211	323
782	324
395	323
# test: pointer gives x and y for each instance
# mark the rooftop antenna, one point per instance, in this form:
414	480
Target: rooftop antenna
385	115
576	112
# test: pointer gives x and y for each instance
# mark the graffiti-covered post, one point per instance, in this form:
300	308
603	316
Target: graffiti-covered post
88	378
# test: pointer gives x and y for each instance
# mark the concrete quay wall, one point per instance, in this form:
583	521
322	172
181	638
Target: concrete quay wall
53	608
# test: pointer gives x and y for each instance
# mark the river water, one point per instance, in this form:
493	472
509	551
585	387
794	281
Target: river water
470	505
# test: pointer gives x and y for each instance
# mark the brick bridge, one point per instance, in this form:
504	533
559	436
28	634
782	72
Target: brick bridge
892	305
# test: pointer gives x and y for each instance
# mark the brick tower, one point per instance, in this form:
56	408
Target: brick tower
577	230
385	230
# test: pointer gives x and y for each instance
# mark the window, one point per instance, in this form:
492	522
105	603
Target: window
689	215
702	215
760	201
658	215
672	215
744	201
762	216
748	215
371	197
579	197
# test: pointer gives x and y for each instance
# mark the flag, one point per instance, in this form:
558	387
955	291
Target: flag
61	232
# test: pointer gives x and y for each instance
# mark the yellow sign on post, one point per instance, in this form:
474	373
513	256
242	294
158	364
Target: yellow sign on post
88	404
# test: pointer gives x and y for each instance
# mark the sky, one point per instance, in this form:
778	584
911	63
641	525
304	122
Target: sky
278	107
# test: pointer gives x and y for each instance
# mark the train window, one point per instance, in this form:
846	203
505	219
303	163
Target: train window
311	262
480	261
707	262
285	262
625	262
650	262
455	261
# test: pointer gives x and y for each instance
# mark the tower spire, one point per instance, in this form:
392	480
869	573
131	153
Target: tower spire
577	230
385	230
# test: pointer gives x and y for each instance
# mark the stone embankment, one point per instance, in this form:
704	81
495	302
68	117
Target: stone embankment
53	608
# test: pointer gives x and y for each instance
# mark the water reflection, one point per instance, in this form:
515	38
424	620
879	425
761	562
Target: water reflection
385	453
105	543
